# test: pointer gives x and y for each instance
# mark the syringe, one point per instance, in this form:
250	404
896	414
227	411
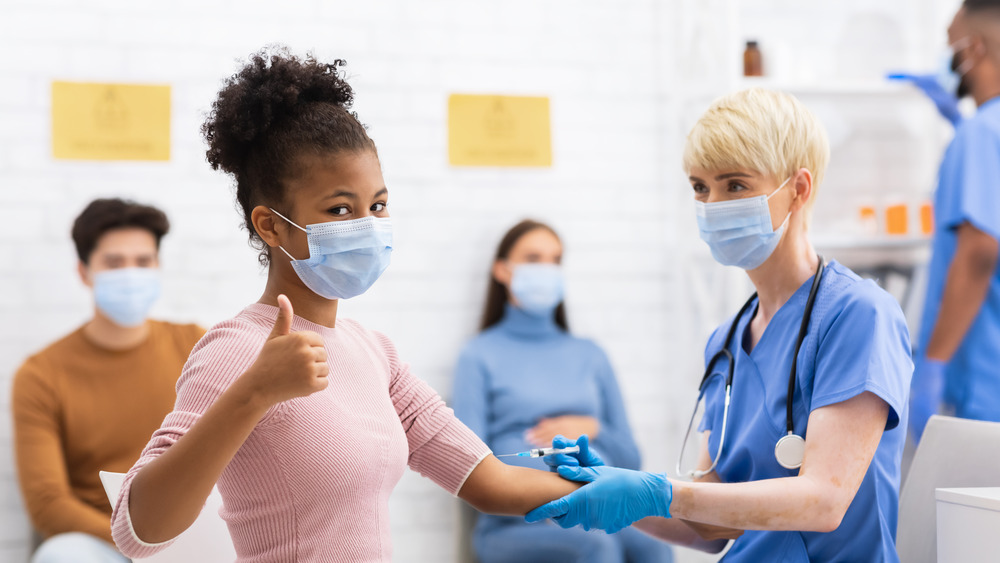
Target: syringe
540	452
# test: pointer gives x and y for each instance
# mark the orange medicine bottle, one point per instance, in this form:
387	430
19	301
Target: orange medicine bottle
753	60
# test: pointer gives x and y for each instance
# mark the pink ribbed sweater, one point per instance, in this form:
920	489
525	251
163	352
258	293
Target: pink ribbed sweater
312	481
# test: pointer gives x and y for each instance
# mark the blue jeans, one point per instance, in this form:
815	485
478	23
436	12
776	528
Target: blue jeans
77	547
519	542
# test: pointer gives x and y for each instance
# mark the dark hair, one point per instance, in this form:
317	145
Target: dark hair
103	215
496	293
981	5
277	108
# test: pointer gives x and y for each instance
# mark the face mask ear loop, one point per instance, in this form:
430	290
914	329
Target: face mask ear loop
768	197
784	222
287	219
956	48
965	67
290	257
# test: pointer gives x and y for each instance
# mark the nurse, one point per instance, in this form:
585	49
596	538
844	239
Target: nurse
958	348
819	359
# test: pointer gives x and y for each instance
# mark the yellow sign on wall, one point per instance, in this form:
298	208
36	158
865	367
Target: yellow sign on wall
499	131
92	121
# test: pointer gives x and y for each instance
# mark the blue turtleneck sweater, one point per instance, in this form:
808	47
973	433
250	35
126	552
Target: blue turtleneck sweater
526	368
515	373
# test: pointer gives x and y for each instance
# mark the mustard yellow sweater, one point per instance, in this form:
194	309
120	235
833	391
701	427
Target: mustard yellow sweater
79	409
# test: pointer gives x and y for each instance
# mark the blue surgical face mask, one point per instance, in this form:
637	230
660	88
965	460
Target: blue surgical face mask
345	257
538	288
125	295
739	231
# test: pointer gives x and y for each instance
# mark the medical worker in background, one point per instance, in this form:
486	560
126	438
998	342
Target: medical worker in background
958	352
805	388
526	379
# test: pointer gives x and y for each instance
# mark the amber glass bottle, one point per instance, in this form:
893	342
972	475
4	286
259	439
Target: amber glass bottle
753	61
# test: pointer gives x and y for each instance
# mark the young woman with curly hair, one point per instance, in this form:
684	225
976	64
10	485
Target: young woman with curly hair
306	421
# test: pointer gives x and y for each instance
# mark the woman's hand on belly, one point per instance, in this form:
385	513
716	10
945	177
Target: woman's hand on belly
569	425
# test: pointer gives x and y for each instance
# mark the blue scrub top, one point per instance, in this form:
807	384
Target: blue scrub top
857	341
969	191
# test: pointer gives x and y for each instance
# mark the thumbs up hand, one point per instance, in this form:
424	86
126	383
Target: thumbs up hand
291	364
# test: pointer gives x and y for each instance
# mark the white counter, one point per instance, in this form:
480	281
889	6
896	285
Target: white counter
968	523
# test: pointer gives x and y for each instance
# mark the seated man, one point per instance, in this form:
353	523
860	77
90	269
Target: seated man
90	401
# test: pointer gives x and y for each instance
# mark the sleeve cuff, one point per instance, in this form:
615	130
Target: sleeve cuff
124	534
450	456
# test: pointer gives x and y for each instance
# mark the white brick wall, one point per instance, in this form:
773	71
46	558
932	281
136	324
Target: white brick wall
622	95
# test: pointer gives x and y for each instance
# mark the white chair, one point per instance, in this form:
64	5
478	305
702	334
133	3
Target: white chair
206	540
953	452
466	523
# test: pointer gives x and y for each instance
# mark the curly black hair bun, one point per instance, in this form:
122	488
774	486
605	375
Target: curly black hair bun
273	87
275	109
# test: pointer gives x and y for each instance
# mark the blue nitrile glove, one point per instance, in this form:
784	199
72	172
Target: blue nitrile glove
611	500
586	457
926	391
946	102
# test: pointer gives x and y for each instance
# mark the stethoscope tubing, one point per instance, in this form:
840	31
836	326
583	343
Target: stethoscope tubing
725	353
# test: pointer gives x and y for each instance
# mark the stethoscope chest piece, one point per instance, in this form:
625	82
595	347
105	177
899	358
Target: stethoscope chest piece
790	451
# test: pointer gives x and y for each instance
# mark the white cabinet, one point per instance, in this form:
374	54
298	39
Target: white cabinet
968	521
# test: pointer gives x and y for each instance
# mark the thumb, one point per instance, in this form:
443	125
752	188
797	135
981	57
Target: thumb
552	509
576	473
283	324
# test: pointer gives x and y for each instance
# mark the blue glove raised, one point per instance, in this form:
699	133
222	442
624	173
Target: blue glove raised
611	500
586	457
926	391
946	102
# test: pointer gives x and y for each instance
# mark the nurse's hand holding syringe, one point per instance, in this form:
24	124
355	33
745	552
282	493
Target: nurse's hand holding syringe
584	456
541	452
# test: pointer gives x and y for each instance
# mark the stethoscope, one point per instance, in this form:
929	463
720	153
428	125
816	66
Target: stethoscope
790	448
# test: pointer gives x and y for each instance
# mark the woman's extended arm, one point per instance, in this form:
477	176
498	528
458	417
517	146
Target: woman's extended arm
167	494
497	488
840	445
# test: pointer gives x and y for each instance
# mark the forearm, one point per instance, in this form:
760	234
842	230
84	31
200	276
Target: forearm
841	443
789	503
965	289
168	494
497	488
678	532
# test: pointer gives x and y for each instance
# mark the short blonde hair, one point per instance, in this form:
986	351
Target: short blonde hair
762	130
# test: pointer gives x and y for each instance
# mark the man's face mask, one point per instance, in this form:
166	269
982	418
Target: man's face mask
125	295
953	69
